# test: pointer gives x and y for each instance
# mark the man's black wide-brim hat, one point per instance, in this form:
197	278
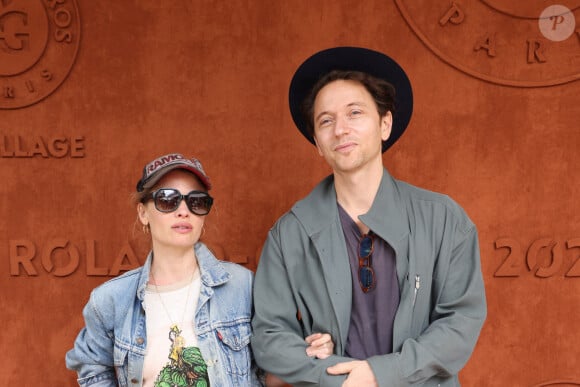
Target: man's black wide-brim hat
355	59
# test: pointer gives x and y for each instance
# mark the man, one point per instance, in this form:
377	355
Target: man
391	271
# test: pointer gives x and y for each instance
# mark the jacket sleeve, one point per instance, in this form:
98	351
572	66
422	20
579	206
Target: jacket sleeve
92	355
457	312
278	338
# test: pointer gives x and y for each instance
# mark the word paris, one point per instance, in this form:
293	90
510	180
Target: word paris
45	147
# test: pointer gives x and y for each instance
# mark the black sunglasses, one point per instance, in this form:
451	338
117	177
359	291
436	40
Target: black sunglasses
169	199
366	274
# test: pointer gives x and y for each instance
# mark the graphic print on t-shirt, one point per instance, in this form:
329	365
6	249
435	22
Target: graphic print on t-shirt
186	367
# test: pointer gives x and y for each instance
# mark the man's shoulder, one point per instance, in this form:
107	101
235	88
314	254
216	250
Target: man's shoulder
314	208
413	192
418	197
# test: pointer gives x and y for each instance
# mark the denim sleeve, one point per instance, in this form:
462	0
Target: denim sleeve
106	379
92	355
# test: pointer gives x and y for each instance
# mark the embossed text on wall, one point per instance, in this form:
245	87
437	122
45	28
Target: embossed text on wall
40	146
62	257
544	258
521	44
39	42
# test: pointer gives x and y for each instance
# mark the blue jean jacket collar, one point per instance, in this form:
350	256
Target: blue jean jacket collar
212	272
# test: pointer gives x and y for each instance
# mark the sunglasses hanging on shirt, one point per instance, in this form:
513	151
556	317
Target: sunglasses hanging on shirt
366	273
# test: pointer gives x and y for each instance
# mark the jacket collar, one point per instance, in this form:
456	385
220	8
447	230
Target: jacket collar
213	273
211	270
385	217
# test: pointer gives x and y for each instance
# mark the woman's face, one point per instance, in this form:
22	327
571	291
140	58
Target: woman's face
180	228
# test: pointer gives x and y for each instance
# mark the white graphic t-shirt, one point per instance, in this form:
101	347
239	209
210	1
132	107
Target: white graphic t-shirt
172	357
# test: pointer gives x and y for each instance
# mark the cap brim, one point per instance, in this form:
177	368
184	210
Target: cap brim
354	59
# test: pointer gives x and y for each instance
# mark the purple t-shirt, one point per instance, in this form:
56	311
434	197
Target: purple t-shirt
372	317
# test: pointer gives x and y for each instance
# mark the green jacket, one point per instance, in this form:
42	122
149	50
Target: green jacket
303	285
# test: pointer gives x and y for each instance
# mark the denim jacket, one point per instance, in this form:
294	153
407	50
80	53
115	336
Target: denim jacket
110	349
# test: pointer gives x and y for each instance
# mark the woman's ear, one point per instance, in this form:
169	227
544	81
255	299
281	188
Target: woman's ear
142	214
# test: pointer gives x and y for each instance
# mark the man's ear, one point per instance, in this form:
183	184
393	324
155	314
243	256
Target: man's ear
386	126
317	147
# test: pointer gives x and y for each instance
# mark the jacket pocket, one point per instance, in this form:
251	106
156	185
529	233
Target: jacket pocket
235	347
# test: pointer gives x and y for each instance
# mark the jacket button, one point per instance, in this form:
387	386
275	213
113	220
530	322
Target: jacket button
135	381
140	340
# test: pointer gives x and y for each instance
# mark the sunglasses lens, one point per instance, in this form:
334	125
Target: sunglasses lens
167	200
365	247
199	202
366	277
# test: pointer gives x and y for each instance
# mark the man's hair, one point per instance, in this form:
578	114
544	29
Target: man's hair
383	93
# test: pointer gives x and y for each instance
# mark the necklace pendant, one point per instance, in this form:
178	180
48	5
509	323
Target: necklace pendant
177	343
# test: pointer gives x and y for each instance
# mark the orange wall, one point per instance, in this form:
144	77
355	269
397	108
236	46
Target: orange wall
495	127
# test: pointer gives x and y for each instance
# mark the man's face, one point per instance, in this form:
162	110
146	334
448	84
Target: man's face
348	130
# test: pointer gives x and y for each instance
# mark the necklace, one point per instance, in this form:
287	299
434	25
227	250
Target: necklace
175	331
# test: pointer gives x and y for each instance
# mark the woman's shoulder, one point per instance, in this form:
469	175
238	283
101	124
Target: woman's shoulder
208	257
119	285
240	276
234	267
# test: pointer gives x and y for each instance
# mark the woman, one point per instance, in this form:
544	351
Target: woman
183	318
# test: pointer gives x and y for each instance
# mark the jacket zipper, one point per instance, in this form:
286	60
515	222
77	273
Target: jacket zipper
417	286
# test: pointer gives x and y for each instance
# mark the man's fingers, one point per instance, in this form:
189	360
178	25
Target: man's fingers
320	345
341	368
313	337
321	340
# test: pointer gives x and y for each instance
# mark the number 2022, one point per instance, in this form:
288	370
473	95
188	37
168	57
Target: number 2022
545	257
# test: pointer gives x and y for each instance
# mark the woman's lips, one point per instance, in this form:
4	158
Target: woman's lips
182	227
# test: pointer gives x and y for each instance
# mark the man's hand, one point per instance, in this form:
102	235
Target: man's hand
359	373
320	345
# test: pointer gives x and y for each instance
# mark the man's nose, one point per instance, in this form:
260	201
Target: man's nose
341	125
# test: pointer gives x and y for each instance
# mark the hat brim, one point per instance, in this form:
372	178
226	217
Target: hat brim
353	59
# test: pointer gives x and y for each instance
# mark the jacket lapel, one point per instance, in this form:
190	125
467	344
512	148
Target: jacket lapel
387	219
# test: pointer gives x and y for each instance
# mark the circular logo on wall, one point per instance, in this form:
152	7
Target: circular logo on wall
521	44
39	41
